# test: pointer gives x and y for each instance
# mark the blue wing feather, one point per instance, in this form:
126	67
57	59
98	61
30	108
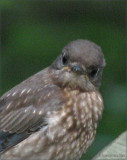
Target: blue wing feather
8	140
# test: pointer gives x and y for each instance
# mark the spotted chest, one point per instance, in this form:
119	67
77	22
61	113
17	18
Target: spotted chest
80	110
69	133
74	127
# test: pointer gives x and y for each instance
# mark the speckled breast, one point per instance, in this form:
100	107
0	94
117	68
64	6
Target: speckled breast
76	123
69	133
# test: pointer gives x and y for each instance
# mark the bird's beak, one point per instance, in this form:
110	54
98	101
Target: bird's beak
78	69
66	68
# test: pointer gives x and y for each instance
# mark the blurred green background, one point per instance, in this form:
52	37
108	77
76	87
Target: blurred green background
34	32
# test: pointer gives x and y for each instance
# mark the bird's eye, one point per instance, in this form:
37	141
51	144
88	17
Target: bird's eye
93	72
64	59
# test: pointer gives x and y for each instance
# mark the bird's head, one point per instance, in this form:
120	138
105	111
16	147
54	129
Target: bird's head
79	66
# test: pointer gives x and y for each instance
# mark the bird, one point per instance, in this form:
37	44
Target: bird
54	114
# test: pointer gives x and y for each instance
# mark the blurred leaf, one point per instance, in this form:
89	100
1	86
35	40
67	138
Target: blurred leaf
6	4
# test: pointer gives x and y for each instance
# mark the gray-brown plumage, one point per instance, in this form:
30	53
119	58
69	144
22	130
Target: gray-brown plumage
54	114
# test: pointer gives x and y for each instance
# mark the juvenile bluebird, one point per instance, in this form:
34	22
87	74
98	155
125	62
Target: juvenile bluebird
54	114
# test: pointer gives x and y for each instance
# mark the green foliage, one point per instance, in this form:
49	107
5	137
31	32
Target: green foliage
34	32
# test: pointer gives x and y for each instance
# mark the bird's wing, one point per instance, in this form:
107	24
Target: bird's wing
23	110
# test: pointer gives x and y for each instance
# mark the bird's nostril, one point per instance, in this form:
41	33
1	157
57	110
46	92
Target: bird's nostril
78	69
